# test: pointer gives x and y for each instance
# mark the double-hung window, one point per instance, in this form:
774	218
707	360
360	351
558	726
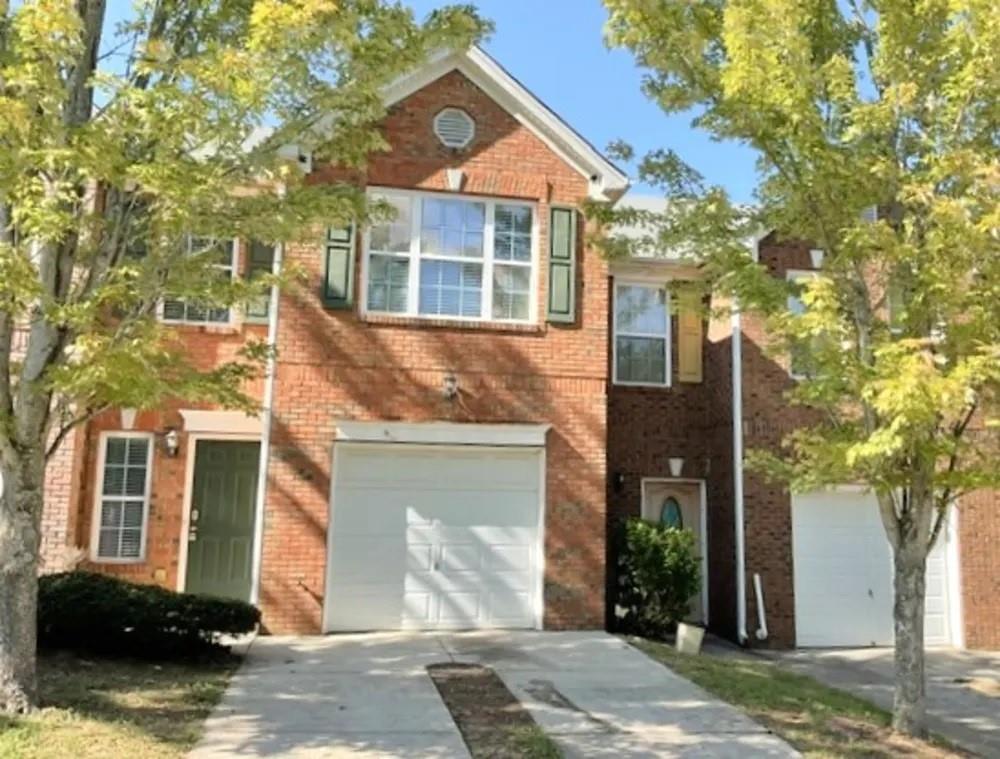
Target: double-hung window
260	261
188	311
453	258
799	358
642	335
123	497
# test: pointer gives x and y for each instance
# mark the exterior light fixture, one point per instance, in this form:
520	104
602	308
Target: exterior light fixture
449	387
618	481
171	442
676	466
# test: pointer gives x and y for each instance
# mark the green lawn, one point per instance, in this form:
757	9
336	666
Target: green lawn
99	708
817	720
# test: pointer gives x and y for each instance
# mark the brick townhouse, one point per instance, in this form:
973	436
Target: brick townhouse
781	570
465	401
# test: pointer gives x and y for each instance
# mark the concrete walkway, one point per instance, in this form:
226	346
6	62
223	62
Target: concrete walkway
963	687
370	696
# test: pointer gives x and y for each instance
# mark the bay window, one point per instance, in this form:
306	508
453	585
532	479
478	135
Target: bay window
453	258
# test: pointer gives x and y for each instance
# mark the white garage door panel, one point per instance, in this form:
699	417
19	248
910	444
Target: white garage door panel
425	538
843	574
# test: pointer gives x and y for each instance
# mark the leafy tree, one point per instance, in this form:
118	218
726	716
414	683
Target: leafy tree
853	106
116	146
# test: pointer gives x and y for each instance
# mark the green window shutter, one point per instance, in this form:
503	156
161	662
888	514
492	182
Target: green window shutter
562	265
338	273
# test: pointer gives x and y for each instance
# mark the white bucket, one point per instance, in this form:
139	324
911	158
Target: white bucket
689	638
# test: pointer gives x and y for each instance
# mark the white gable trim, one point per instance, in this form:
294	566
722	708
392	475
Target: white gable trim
607	182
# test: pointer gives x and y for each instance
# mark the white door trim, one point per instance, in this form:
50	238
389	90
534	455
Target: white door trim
191	446
539	600
702	526
443	433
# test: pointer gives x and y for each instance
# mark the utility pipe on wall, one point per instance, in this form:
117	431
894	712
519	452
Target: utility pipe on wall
741	578
266	416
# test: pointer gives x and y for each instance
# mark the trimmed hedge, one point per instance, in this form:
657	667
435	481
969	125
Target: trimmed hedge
85	611
658	574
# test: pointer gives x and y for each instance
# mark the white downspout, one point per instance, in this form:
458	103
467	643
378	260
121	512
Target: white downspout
266	415
761	613
741	572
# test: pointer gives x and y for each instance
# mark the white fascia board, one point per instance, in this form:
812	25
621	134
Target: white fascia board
605	180
442	433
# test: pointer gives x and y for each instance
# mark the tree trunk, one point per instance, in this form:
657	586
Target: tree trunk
909	701
20	520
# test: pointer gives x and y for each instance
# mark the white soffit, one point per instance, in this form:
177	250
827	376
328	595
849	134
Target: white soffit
607	181
442	433
220	422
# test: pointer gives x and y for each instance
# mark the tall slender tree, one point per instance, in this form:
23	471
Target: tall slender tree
117	148
877	126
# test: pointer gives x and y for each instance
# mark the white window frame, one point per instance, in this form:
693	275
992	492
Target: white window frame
95	527
797	275
487	261
667	337
234	265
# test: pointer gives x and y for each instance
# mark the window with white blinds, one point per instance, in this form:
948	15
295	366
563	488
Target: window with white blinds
123	497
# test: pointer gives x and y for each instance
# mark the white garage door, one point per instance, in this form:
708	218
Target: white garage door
434	538
843	574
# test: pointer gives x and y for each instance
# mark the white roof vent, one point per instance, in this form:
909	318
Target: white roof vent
454	127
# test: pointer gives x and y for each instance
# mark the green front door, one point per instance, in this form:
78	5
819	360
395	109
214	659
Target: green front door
220	540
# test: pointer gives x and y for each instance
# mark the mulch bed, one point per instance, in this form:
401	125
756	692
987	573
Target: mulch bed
492	721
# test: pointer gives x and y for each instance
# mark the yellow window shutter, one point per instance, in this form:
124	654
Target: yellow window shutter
689	336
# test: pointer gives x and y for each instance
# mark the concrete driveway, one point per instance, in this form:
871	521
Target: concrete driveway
963	687
370	696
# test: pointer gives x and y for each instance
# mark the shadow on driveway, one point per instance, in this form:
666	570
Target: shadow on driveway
963	687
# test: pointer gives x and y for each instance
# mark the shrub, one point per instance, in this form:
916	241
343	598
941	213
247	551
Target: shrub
84	611
658	573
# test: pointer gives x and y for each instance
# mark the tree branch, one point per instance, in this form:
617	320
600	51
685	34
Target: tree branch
66	428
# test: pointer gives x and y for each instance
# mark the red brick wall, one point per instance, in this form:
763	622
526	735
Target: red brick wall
646	427
979	546
62	488
767	418
339	365
719	483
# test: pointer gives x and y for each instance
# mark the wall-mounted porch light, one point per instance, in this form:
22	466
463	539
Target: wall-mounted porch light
171	442
618	482
449	385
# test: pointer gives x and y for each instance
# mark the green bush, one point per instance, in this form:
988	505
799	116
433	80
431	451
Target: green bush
84	611
658	574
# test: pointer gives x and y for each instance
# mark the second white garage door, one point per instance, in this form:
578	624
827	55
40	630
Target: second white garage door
843	574
434	538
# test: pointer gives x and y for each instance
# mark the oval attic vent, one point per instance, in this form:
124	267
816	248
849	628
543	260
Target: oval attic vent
454	127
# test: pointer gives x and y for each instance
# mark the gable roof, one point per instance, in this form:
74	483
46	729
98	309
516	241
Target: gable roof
606	181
